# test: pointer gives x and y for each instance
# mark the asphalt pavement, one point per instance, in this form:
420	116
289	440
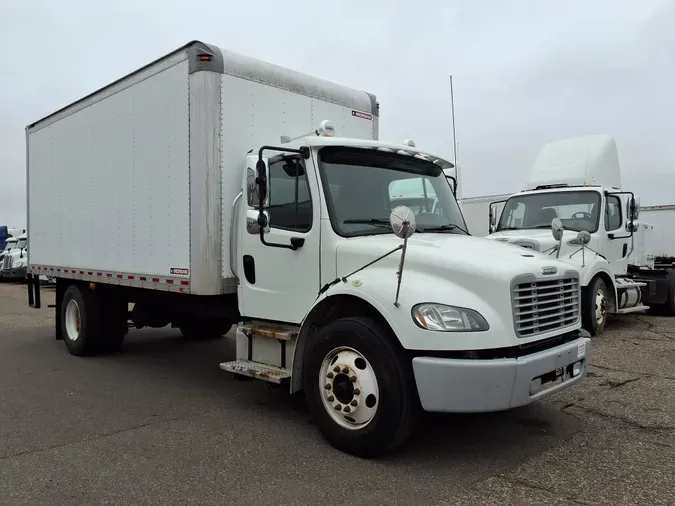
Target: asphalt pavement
160	423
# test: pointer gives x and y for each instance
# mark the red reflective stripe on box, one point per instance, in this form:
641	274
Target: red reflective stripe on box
185	283
130	277
143	278
169	281
155	280
119	276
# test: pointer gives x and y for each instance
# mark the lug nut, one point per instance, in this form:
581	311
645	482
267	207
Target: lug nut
345	370
331	398
354	403
338	407
357	391
330	375
347	409
336	368
353	379
327	387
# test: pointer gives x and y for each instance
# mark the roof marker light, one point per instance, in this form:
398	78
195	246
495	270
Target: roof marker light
409	142
326	129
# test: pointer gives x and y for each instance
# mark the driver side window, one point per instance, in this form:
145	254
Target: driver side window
612	213
290	204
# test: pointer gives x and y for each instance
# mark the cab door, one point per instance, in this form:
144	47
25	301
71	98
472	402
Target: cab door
278	283
617	246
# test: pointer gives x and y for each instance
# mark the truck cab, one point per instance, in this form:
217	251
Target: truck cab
573	208
324	263
15	262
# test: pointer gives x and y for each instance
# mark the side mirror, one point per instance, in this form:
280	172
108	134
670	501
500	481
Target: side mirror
253	220
492	225
257	182
633	208
557	229
631	226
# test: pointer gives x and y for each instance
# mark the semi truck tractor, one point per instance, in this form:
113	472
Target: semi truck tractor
296	239
574	208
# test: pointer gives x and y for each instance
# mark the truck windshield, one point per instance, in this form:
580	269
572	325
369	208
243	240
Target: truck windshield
363	186
10	245
578	210
21	243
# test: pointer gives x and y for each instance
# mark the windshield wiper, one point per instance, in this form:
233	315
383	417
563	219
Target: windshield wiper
378	222
440	228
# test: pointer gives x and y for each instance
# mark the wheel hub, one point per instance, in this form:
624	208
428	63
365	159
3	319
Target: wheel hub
600	306
349	388
73	320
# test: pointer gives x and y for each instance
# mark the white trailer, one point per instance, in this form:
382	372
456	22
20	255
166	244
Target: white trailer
476	211
574	189
294	237
660	246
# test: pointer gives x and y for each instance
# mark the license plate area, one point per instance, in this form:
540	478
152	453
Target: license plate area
551	379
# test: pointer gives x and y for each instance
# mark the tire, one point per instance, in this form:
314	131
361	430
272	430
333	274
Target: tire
594	319
361	345
667	308
204	330
81	322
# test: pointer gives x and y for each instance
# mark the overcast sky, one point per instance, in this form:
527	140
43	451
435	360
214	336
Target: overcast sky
525	72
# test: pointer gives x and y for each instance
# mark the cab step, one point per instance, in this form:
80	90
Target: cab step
256	370
283	333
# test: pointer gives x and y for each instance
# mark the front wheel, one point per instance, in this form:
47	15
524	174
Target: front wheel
594	307
359	388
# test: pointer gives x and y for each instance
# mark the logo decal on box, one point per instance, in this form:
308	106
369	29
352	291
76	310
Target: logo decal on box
363	115
179	271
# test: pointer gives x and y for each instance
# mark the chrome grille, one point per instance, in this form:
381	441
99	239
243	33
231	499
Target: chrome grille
7	262
543	306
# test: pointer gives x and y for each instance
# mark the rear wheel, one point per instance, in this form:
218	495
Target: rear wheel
595	305
80	322
359	388
91	324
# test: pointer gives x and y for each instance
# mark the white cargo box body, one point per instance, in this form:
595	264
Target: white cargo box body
134	184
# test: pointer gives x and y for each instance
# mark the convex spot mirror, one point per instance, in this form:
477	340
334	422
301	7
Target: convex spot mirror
402	221
557	229
584	237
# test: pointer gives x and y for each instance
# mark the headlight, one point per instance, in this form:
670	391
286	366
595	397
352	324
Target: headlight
448	318
18	263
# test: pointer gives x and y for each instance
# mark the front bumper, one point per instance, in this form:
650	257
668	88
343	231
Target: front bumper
474	386
14	273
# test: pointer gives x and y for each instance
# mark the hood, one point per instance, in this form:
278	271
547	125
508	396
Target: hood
461	256
539	239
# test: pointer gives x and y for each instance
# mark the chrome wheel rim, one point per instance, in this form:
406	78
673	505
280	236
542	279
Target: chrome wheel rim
73	320
600	311
348	387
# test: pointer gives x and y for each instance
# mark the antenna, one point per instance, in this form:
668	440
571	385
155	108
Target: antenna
454	135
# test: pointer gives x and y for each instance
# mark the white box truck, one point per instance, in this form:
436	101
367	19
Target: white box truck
577	182
294	236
